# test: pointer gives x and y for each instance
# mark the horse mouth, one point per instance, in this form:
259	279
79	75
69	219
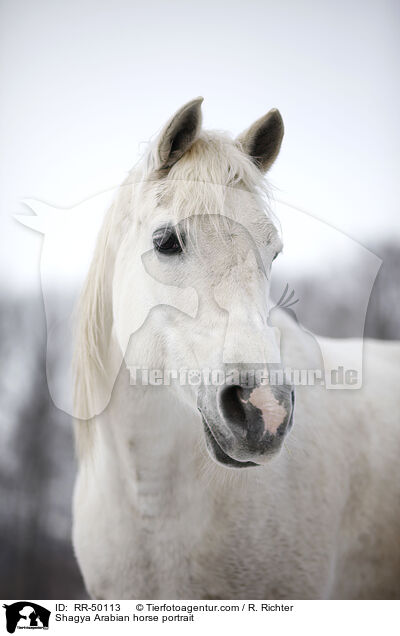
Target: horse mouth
218	454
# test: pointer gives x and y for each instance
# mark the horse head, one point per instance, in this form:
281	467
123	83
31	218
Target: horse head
198	217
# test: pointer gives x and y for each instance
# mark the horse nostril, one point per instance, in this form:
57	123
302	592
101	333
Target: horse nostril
244	419
231	404
258	412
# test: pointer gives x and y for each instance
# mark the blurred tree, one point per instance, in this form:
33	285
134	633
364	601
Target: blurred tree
36	558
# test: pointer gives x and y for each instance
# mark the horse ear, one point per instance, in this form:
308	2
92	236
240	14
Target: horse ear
179	134
262	141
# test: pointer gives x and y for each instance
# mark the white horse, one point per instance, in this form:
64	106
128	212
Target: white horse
186	490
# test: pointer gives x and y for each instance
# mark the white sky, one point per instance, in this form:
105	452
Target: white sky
84	83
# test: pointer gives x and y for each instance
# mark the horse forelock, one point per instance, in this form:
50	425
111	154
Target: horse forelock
199	182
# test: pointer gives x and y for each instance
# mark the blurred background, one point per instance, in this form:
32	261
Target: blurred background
84	87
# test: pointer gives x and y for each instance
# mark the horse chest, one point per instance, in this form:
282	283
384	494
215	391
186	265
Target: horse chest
146	550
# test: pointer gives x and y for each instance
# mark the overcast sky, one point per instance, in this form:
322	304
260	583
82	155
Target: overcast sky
84	84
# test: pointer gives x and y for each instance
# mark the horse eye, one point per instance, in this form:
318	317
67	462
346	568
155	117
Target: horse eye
166	241
277	254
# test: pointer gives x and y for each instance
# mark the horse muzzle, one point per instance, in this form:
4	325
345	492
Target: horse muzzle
245	425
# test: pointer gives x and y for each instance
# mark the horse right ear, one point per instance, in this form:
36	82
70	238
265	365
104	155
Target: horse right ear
179	134
262	141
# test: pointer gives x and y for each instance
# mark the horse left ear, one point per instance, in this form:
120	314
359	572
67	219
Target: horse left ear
179	134
262	141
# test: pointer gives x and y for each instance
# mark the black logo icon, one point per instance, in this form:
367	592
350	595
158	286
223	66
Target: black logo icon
26	615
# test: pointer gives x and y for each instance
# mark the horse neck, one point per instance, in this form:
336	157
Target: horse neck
149	445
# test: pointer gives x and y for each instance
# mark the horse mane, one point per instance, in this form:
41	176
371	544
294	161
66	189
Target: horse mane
93	320
197	182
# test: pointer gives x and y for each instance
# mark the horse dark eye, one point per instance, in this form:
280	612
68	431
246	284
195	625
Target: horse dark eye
166	241
277	254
